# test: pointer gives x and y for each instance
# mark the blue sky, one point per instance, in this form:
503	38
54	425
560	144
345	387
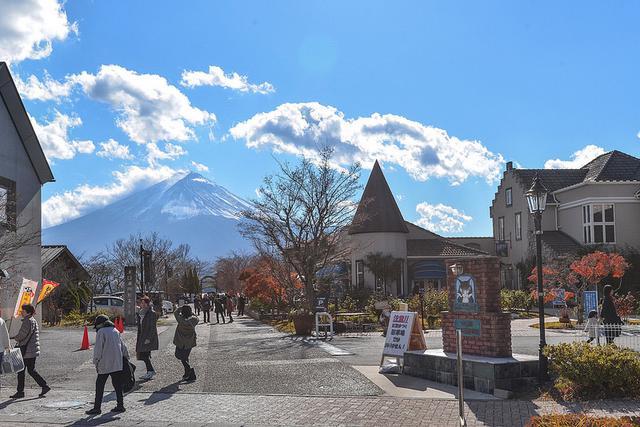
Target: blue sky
442	92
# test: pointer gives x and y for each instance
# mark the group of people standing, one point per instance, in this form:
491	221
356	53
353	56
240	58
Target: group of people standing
222	305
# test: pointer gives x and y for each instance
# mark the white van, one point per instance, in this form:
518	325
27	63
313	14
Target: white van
108	303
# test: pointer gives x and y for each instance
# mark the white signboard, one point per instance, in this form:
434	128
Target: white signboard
398	333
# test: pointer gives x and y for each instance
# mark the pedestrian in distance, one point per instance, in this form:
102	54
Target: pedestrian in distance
206	308
197	304
610	319
185	339
230	307
591	327
28	340
109	353
147	338
241	302
220	308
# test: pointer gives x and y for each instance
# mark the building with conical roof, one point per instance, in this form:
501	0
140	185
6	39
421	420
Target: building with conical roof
420	255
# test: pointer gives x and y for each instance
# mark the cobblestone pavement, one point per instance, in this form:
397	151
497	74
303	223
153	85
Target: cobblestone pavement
240	409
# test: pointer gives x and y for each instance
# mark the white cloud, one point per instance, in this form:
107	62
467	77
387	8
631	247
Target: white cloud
28	28
170	152
54	137
112	149
71	204
216	77
441	218
47	89
578	159
423	151
149	108
200	167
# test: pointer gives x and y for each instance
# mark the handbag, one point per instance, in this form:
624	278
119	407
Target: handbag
12	361
128	375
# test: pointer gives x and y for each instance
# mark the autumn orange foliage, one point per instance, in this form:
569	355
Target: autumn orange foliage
597	265
260	283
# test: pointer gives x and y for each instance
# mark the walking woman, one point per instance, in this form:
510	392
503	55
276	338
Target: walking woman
206	308
220	308
230	307
197	304
185	339
147	340
28	339
241	302
108	354
609	315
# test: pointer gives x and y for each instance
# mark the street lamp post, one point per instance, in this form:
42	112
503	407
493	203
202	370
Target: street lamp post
537	201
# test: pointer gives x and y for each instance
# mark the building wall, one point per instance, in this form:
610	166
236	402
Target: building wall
16	166
394	244
626	210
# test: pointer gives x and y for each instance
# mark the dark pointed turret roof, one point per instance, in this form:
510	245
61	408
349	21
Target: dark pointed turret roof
377	211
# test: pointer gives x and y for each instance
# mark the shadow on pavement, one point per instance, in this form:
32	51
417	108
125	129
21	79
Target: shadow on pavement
163	394
8	402
96	421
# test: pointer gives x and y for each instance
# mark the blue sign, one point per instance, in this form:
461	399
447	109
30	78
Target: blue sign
559	297
469	327
590	299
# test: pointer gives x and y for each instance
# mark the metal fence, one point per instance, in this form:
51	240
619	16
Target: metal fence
624	336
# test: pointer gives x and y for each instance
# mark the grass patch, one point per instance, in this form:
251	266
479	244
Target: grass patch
285	326
525	315
554	325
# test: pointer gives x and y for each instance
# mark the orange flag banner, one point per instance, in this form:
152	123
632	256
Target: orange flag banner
48	286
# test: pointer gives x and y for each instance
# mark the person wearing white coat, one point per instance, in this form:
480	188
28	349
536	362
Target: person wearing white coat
108	353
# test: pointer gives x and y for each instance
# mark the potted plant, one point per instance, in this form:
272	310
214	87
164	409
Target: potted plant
303	320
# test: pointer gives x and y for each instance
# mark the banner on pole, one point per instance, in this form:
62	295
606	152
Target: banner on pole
25	296
48	286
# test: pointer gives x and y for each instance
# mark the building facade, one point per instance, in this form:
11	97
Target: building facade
23	171
596	204
379	228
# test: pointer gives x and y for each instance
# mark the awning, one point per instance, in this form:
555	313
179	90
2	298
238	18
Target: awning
429	270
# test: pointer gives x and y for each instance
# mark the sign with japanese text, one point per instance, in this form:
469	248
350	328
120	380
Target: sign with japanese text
559	295
590	301
403	334
48	286
130	295
469	327
25	296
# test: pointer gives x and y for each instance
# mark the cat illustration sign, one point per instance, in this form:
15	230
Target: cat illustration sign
465	294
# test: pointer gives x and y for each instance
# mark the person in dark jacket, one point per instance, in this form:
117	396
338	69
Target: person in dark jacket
28	340
109	353
220	309
197	304
147	339
206	308
229	307
185	339
241	302
609	315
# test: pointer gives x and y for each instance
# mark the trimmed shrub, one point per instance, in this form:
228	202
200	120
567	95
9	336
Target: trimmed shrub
512	300
76	318
585	371
581	420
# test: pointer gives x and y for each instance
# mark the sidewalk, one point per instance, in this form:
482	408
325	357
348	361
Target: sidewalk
66	407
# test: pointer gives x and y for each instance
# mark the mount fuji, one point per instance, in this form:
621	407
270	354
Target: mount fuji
185	209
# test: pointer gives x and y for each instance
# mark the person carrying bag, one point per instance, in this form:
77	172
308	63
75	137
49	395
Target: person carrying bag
11	361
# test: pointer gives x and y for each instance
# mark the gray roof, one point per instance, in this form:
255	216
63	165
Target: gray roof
377	211
560	243
439	248
50	253
612	166
11	98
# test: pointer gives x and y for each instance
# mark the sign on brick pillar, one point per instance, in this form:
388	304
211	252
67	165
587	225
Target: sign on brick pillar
474	307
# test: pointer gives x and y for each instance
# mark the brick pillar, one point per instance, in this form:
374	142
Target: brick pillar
486	329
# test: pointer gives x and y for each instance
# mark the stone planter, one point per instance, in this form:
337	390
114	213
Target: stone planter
304	323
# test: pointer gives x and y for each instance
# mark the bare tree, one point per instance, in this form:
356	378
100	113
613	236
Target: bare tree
302	213
227	270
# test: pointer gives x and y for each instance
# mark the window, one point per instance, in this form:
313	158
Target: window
116	302
508	197
598	223
518	221
360	274
7	203
501	228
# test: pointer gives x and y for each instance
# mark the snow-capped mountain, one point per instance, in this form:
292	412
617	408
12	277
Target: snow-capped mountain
185	209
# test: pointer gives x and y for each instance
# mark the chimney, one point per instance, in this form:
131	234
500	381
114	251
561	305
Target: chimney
509	166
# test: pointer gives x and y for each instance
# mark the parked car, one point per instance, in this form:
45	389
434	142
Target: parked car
167	307
108	303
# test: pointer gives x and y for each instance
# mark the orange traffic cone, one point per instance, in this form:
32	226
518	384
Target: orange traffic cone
85	339
119	324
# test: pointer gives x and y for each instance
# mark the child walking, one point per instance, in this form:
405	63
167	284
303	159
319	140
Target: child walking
592	325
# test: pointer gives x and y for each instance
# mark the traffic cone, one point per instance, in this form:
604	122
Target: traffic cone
85	339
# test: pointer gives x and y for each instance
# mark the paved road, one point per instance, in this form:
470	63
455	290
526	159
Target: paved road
248	374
